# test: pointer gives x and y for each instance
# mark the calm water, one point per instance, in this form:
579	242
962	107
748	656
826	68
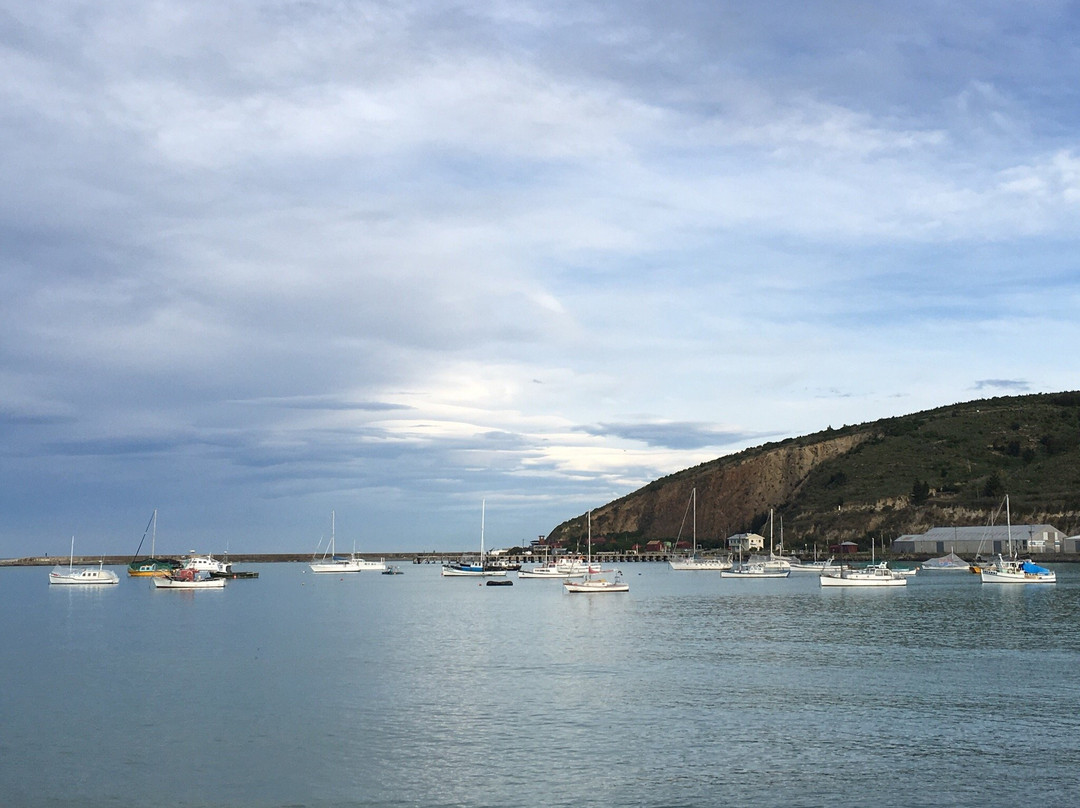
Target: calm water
413	690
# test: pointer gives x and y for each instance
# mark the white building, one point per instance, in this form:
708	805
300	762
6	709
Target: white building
745	542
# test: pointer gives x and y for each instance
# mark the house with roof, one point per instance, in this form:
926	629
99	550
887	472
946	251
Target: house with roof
745	542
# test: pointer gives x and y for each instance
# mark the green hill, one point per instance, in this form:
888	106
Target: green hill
941	467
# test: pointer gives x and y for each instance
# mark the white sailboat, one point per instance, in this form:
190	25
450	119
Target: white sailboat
692	562
333	563
466	570
771	566
1012	570
82	576
591	583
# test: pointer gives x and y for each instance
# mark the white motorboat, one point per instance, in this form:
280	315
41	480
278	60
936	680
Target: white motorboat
874	575
592	584
692	561
756	569
1012	570
82	576
554	569
477	570
188	579
330	562
206	563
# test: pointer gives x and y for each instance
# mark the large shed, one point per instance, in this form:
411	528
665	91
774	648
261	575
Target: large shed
984	539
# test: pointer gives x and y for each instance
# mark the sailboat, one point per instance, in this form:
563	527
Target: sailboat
772	566
82	576
151	567
1012	570
591	583
466	570
692	562
334	563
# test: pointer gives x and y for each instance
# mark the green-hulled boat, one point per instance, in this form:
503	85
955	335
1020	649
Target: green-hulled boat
151	567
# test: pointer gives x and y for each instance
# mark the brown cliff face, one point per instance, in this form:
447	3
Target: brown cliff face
731	492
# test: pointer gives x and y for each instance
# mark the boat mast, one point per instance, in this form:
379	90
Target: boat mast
333	547
1008	526
71	558
153	536
483	511
693	494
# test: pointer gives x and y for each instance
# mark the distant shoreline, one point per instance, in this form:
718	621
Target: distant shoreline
438	558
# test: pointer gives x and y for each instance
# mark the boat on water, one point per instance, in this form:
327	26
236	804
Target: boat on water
153	566
82	576
330	562
206	563
591	584
1012	570
189	579
560	568
754	569
818	567
693	561
946	563
463	569
392	570
877	574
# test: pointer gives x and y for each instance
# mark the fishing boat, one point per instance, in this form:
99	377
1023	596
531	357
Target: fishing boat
82	576
392	570
590	583
560	568
464	569
188	579
206	563
331	562
153	566
692	561
875	574
1012	570
755	569
946	563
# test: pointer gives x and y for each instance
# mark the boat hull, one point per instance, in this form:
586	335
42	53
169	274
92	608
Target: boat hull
454	572
717	565
88	576
998	577
348	565
595	587
169	583
859	580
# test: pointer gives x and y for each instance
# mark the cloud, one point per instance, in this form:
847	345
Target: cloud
672	435
264	261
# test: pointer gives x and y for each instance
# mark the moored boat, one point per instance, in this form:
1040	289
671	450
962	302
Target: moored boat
153	566
874	575
330	562
1012	570
591	584
946	563
82	576
463	569
189	579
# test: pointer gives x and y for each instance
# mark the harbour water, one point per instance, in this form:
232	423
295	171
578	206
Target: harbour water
415	690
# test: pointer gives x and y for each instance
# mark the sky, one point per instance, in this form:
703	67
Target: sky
411	261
